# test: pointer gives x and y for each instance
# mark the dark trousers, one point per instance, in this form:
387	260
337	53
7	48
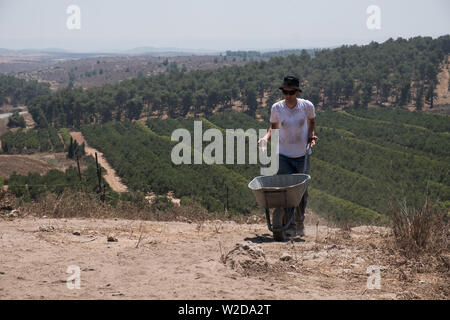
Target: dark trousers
295	165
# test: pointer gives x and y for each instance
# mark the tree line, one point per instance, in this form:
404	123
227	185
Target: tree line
17	91
397	72
30	141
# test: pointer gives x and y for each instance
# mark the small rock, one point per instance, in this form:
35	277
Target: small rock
14	213
359	260
112	238
285	256
76	233
246	257
253	219
183	219
117	294
46	228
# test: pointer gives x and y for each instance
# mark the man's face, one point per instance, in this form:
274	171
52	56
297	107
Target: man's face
290	94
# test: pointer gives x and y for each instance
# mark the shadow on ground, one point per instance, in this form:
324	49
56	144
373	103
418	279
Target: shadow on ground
266	237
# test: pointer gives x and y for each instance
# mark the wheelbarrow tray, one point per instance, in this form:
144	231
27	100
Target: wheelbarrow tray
279	191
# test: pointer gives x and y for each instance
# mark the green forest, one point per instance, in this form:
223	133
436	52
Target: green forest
394	73
16	91
30	141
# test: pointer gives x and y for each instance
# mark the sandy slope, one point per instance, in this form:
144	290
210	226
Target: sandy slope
181	260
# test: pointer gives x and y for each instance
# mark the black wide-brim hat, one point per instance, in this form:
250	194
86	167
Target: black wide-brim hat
291	82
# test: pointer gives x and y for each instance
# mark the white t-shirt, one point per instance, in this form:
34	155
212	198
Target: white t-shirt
293	125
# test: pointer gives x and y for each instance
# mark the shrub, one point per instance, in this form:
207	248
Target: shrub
16	120
420	230
162	203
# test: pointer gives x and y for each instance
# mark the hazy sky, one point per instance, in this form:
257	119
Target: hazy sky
215	24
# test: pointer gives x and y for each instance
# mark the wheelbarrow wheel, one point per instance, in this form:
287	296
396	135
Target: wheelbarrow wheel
280	218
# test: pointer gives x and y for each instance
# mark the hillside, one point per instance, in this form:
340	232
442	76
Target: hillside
359	167
94	71
365	161
368	157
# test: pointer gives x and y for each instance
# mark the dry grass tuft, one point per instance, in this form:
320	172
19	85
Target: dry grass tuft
420	231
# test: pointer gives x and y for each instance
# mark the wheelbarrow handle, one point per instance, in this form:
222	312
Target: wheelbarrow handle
308	148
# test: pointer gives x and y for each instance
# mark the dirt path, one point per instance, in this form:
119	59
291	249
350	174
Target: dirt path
110	176
181	260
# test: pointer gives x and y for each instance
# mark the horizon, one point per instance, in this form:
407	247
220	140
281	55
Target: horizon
214	26
152	49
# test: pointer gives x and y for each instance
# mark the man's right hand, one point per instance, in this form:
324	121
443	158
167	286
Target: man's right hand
263	138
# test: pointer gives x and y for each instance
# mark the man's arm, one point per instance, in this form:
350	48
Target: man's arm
311	127
311	131
273	125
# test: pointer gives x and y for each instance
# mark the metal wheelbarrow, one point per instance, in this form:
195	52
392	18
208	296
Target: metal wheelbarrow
281	192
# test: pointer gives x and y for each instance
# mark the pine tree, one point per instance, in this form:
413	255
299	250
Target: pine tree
70	151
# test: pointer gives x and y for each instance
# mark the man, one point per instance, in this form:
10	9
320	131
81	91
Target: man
295	118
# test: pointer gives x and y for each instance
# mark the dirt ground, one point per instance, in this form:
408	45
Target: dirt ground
204	260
